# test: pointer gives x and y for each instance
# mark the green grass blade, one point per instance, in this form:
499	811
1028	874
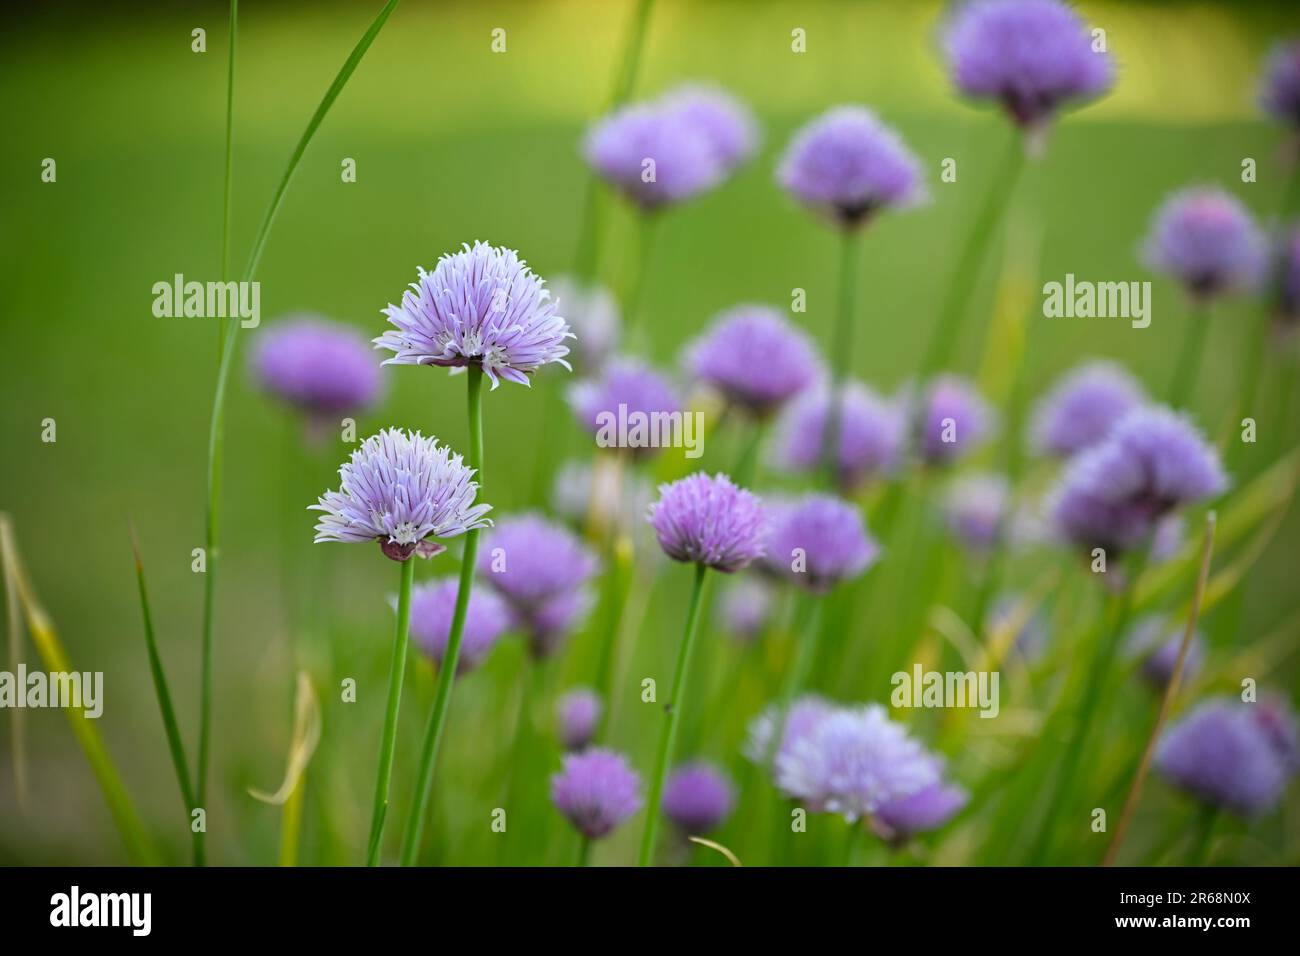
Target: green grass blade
174	743
215	430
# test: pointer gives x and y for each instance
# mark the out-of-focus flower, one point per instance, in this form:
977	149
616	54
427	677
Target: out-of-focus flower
402	490
1206	240
745	607
1279	92
871	432
1030	628
654	155
1224	756
697	797
1033	57
432	607
607	496
596	790
754	357
1153	462
719	117
854	761
954	420
817	541
593	314
479	306
850	165
928	809
578	713
1082	408
798	721
1155	640
1284	278
977	510
322	368
708	520
627	390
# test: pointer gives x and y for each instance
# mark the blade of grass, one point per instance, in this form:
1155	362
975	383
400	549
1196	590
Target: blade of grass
172	729
215	431
139	846
17	723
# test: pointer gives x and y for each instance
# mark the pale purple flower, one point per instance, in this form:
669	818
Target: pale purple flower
322	368
432	606
1206	239
627	392
754	357
1154	461
541	569
578	716
1155	641
724	122
708	520
1032	57
1082	408
654	155
954	420
596	790
745	607
1279	92
871	433
479	306
1224	756
977	510
698	797
928	809
593	314
850	165
818	541
798	722
402	490
854	761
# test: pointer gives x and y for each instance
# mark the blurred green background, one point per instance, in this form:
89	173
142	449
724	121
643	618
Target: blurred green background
454	143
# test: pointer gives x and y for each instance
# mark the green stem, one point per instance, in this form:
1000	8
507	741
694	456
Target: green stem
447	672
1200	855
617	583
747	465
1189	358
522	738
647	228
216	427
841	352
668	734
584	852
388	743
947	330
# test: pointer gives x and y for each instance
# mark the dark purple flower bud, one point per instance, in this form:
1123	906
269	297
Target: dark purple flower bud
578	713
596	790
697	798
1280	85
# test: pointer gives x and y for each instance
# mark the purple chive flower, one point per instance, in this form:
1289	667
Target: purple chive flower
596	790
432	607
480	306
754	357
627	390
654	155
719	117
1156	641
1279	93
928	809
802	716
1031	56
402	490
818	541
854	761
1113	494
954	420
541	569
592	312
708	520
578	713
322	368
1082	407
850	165
871	434
745	607
697	797
1222	755
1206	240
977	510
